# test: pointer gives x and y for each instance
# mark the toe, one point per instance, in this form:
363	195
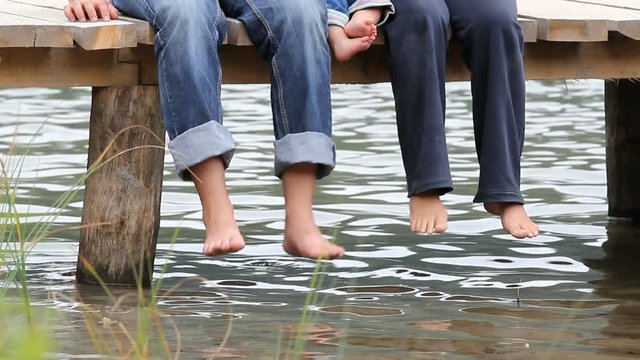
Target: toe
422	227
430	226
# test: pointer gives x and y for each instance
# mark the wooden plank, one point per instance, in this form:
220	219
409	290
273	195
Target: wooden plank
63	67
557	21
616	59
105	35
89	35
54	4
624	15
529	29
237	33
20	31
622	4
624	28
544	60
568	20
145	31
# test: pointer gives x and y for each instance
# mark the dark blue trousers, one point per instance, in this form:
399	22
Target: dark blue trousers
492	46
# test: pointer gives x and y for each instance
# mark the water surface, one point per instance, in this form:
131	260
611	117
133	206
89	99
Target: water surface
470	293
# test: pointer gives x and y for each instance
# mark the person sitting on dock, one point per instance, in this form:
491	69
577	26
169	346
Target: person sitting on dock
492	47
353	24
189	34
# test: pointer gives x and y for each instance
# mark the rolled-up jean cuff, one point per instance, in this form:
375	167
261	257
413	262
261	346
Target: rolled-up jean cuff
307	147
337	18
201	143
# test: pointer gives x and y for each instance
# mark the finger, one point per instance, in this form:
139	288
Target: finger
103	11
90	9
68	12
113	11
79	12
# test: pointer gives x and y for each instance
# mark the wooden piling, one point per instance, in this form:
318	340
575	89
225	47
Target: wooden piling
622	114
121	213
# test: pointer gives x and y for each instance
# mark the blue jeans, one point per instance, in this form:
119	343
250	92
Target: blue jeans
340	10
492	47
290	35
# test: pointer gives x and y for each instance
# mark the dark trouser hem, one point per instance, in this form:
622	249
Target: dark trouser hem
506	197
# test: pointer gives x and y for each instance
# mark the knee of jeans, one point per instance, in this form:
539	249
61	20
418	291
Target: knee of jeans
306	19
188	16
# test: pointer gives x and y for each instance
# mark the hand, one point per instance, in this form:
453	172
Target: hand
81	10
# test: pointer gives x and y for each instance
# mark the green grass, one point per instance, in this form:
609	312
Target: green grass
21	338
26	330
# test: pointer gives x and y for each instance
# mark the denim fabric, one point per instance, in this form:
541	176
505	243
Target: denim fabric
492	45
290	35
340	10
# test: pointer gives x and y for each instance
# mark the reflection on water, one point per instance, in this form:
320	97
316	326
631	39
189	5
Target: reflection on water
471	293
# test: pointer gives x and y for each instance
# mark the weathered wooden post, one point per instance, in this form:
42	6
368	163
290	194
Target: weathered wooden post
121	213
622	109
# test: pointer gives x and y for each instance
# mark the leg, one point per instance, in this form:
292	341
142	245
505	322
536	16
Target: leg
417	46
189	34
291	35
492	48
223	235
302	237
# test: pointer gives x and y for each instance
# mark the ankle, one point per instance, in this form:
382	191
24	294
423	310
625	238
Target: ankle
299	219
433	194
372	15
504	204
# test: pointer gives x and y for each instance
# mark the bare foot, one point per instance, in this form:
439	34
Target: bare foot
366	28
223	235
303	238
514	218
428	214
301	235
363	23
345	48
